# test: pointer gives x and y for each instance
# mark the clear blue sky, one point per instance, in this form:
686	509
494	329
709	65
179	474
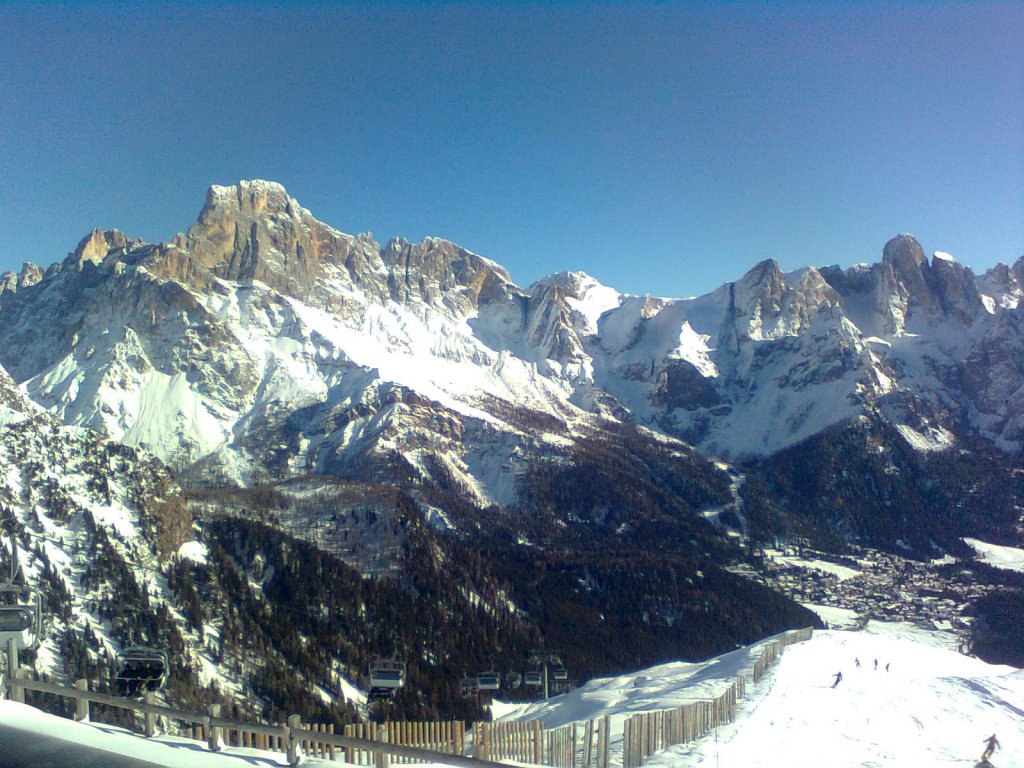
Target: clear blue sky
664	148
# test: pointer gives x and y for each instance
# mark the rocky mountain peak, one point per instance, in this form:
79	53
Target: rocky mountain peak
907	283
956	287
94	247
248	199
905	254
1003	285
581	300
904	282
764	273
30	275
768	304
573	284
255	231
437	271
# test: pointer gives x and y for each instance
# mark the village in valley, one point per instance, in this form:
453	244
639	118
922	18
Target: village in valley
868	584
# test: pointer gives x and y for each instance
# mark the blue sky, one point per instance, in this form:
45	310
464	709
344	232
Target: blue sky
664	148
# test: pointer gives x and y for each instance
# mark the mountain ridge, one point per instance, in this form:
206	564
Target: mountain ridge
403	420
264	338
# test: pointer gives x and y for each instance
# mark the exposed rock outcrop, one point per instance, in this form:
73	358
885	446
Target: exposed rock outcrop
264	339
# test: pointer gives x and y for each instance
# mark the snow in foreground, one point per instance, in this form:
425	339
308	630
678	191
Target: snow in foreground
168	751
933	707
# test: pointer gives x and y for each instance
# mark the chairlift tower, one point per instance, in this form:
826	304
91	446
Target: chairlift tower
549	665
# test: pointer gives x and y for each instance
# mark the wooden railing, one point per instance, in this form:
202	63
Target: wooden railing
294	738
441	742
648	732
447	738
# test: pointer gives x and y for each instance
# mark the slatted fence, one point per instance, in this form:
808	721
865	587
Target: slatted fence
519	741
648	732
447	737
576	745
294	738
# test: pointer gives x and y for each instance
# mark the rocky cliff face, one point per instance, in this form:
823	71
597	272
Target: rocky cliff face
266	343
908	284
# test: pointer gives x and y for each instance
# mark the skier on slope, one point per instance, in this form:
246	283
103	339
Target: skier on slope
992	743
839	677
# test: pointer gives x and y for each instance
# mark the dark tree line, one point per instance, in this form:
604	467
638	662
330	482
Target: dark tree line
864	484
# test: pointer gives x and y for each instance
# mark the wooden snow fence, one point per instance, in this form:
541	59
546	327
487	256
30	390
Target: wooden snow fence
447	737
768	657
294	738
576	745
519	741
648	732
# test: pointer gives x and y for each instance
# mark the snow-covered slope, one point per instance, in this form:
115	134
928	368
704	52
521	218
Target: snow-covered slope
267	343
1009	558
94	521
933	707
106	539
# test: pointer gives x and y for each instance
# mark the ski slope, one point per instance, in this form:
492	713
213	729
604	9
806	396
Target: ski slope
934	707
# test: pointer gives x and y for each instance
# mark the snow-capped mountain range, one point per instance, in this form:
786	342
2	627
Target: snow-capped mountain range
265	343
337	410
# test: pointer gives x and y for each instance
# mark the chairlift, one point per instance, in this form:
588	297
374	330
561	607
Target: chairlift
140	668
21	622
560	673
469	686
380	694
488	681
388	674
386	677
21	609
534	679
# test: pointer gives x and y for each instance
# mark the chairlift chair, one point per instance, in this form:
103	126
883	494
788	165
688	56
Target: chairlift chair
140	668
534	679
22	621
380	694
488	681
513	680
21	609
469	686
387	673
560	673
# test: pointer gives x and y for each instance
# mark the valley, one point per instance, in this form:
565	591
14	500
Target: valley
281	451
